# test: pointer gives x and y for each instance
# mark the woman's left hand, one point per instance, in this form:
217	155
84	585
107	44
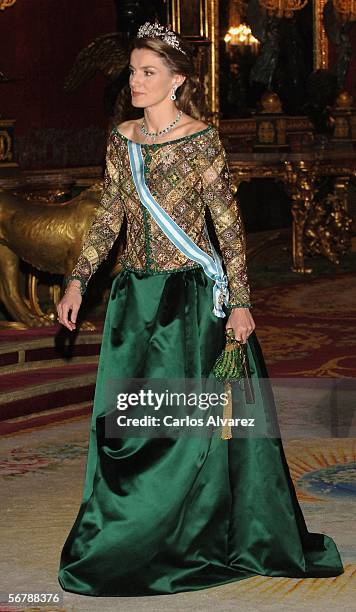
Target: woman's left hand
241	321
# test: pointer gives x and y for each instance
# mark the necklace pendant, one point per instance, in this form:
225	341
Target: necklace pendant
167	129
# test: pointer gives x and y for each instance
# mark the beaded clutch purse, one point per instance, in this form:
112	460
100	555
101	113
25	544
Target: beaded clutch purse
231	366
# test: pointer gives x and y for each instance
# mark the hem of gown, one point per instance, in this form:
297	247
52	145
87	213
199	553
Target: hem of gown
155	594
295	575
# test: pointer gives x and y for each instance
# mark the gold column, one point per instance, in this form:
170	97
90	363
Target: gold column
320	52
213	34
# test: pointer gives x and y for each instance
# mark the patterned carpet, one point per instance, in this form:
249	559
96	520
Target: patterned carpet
306	330
42	474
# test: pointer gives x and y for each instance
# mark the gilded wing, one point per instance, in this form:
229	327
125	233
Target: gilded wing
106	53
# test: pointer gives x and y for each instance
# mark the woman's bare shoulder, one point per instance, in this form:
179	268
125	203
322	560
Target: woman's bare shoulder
127	128
194	125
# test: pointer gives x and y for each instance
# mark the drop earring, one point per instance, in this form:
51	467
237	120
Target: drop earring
173	96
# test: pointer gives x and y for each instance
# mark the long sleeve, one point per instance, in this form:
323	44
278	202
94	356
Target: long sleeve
105	226
225	212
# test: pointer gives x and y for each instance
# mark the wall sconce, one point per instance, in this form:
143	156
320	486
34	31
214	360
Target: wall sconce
242	38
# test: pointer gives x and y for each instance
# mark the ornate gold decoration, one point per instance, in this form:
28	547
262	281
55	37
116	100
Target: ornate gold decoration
270	125
344	100
344	116
213	34
342	128
283	8
6	4
183	25
328	227
270	103
265	132
7	164
300	183
5	146
298	171
46	196
321	54
206	40
319	227
48	238
346	9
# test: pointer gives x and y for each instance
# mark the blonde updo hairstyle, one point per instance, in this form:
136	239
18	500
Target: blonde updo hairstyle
190	95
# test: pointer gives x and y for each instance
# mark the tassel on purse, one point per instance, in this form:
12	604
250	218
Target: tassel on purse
232	365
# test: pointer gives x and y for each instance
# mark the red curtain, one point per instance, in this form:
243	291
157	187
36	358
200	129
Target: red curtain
39	40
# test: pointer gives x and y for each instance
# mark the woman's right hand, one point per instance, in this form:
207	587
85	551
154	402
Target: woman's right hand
71	300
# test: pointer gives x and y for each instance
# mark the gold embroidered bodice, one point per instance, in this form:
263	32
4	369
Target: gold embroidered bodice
185	176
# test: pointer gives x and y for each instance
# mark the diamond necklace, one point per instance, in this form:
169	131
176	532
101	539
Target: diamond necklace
154	135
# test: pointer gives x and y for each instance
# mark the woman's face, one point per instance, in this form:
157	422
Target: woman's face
150	79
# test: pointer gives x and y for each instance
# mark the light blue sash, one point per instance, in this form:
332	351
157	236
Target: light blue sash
212	267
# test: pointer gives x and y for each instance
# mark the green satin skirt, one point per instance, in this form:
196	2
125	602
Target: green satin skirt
165	515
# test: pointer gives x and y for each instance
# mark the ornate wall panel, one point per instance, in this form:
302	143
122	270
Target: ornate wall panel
197	20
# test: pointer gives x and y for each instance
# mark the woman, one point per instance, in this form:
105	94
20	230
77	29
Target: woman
172	514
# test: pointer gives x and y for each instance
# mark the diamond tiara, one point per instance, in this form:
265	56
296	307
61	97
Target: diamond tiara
154	30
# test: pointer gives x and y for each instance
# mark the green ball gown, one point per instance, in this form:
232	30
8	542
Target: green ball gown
162	515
